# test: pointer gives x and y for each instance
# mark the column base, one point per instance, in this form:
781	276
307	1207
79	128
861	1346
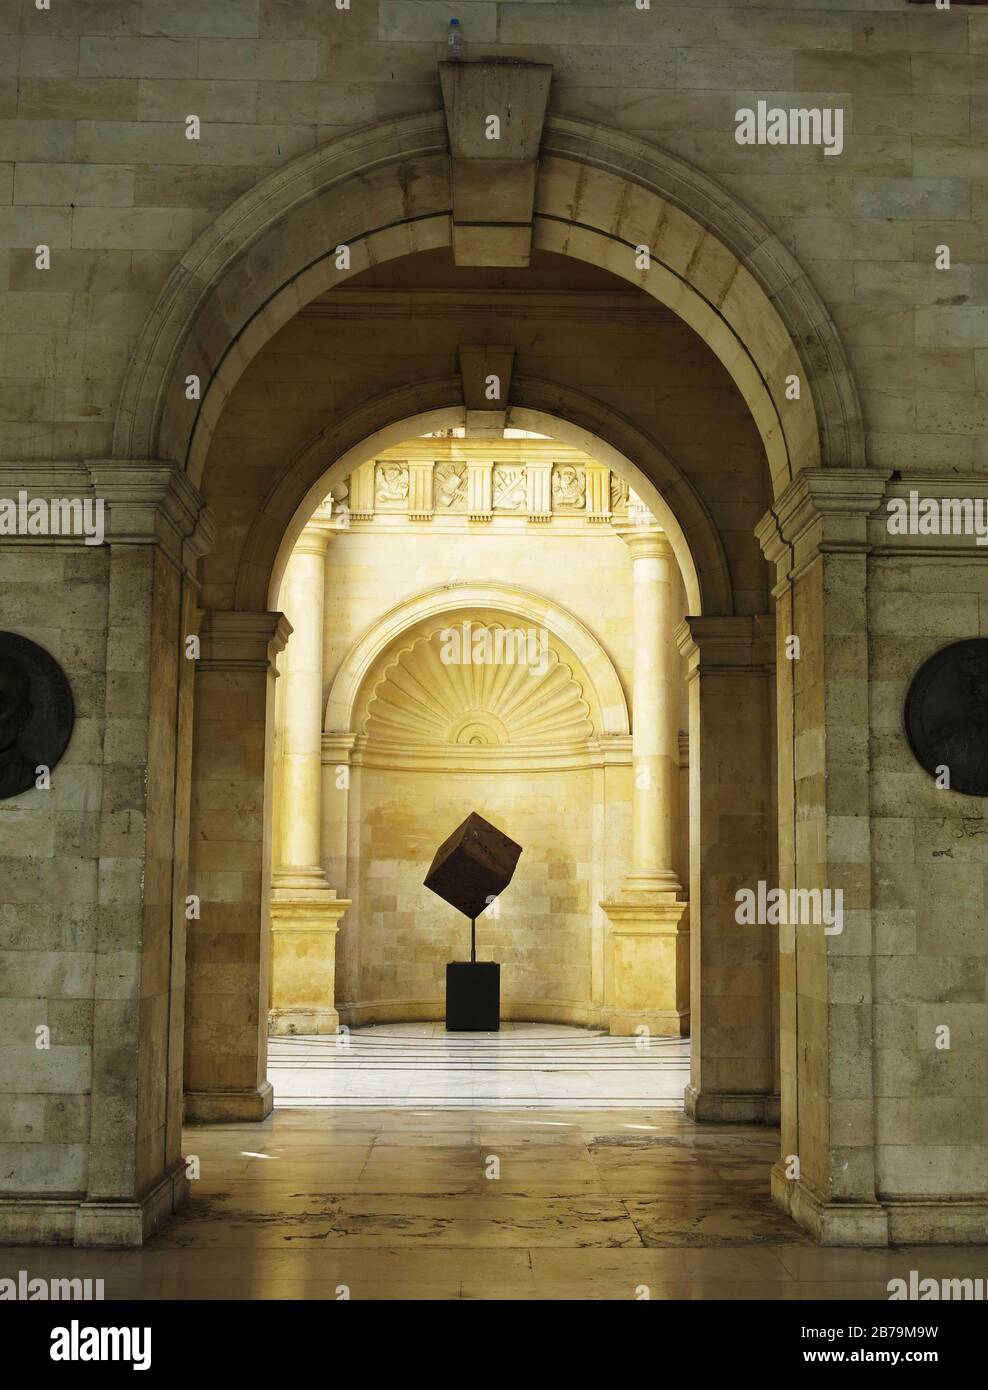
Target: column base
304	923
300	880
648	974
660	1024
129	1224
662	887
861	1225
226	1107
92	1223
731	1107
888	1221
290	1023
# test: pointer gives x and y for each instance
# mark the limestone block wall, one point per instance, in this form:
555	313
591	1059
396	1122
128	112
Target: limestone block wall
95	164
929	884
92	931
404	934
49	917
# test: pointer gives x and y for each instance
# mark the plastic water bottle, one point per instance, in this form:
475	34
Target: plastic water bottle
454	41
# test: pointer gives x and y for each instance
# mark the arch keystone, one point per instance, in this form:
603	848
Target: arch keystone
494	115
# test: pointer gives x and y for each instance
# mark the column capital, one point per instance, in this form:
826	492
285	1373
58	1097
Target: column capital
238	640
318	531
645	541
728	643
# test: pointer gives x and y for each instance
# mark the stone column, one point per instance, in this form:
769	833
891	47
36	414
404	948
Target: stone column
732	845
305	911
649	959
654	731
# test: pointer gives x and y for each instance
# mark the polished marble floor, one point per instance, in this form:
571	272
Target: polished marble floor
405	1204
529	1065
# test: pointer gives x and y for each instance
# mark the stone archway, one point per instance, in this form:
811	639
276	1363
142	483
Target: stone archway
651	947
738	680
747	299
600	195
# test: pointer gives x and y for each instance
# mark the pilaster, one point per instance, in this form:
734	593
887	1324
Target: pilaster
817	535
230	864
733	1071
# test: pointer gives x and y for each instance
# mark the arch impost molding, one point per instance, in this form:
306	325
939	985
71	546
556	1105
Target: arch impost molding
959	495
826	510
144	502
154	502
715	645
337	747
241	641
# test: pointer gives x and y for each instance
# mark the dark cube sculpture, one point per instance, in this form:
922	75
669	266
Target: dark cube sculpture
469	871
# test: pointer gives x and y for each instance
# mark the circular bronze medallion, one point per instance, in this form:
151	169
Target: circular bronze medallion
36	713
947	715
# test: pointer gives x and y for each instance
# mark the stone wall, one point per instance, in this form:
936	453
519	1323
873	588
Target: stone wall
98	166
49	918
929	884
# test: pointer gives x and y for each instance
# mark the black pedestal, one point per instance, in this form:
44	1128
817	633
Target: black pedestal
473	996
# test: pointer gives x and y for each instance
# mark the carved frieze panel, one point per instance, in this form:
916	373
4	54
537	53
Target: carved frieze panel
531	483
391	485
569	488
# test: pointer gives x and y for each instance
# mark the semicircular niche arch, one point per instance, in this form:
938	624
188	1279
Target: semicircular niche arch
573	653
477	685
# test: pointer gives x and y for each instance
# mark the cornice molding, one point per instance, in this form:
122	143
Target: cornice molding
145	503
